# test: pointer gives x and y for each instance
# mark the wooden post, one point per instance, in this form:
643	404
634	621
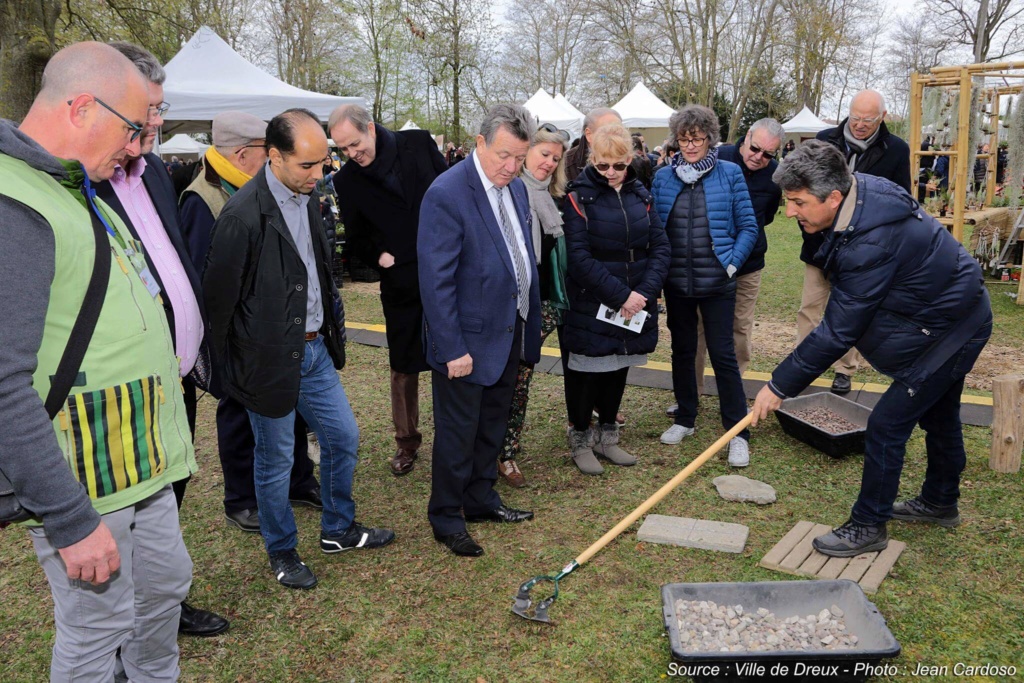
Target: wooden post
993	148
916	91
962	154
1007	423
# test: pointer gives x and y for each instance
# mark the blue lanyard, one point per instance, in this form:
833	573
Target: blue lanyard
90	198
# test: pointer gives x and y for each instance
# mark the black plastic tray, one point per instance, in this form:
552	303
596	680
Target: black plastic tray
785	599
835	445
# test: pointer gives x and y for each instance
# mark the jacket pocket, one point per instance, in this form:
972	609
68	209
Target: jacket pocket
471	324
112	436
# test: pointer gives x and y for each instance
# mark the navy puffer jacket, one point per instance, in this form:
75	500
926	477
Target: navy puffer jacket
730	222
904	292
615	247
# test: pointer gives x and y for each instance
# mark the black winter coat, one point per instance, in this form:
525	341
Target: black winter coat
616	246
255	289
888	157
765	196
904	292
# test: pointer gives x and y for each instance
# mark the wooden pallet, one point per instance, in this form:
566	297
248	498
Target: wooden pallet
794	555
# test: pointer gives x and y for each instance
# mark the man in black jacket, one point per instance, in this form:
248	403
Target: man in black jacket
870	148
141	193
915	303
379	195
278	328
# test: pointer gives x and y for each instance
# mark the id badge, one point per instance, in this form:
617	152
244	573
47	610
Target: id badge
138	262
147	279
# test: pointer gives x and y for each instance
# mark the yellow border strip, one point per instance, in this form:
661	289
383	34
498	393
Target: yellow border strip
870	387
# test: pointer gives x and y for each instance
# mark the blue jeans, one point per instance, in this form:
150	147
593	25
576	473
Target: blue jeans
936	407
324	406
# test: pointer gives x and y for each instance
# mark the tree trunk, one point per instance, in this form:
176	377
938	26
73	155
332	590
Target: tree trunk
26	45
981	33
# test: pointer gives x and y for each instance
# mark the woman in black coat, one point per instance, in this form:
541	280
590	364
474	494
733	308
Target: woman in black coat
618	257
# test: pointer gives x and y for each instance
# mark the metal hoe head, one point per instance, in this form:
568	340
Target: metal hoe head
523	605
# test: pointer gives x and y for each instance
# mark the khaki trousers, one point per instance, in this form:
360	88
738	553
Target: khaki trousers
812	306
747	287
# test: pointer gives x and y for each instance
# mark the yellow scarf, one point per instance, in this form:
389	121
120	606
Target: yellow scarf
225	169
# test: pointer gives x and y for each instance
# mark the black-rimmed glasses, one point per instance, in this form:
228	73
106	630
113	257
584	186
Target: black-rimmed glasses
691	142
161	108
551	128
136	128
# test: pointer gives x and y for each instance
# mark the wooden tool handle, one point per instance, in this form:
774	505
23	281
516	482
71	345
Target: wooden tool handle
664	490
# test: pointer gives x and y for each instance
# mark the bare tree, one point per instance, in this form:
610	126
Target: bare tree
994	29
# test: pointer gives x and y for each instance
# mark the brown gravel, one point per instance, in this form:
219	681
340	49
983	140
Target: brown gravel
826	420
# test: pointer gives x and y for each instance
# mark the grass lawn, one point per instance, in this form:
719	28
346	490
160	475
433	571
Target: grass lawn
414	612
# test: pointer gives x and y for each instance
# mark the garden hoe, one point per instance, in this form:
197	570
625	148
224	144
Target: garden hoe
524	606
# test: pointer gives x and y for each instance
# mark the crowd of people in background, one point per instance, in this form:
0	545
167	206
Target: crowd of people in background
142	289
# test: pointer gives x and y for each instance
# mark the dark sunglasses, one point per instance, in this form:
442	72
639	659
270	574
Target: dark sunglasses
755	150
551	128
603	167
136	128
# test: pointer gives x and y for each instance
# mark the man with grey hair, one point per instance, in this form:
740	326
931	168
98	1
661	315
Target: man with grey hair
756	155
577	158
141	194
481	309
870	148
105	525
914	301
380	192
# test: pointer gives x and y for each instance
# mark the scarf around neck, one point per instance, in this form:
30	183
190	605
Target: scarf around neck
546	217
225	169
691	173
857	147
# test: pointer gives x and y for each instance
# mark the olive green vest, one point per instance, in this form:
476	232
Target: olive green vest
123	430
214	196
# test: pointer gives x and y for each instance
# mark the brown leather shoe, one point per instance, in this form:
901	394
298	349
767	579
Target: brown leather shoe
510	472
402	462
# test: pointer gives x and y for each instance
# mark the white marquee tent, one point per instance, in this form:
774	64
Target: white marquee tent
547	110
804	125
207	77
576	129
181	144
410	125
642	112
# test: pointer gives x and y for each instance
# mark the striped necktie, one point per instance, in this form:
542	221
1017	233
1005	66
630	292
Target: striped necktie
517	256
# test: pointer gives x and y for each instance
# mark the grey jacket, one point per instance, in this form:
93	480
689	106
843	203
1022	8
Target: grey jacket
29	454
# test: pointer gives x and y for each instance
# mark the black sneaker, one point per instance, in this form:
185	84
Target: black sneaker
917	510
291	571
357	536
852	539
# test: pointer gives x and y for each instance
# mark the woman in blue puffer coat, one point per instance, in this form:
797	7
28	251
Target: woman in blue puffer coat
617	257
709	220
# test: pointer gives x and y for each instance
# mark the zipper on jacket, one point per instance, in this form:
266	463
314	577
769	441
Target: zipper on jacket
626	217
689	243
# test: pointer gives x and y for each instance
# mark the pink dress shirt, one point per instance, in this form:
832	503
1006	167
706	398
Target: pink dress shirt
188	324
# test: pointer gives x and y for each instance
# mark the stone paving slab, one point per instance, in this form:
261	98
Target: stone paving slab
693	533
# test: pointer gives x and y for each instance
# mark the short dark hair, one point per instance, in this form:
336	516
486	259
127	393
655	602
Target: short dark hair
281	129
814	166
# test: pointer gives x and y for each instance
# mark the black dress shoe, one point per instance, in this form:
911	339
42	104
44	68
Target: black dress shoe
199	622
246	520
310	498
501	514
460	543
841	384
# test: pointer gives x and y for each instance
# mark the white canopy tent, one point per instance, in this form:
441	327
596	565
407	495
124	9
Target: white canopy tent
642	112
181	145
410	125
207	77
576	129
804	125
547	110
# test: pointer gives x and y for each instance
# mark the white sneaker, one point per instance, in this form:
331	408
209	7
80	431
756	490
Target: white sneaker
739	452
675	434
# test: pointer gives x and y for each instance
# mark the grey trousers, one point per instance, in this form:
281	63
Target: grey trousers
136	611
812	307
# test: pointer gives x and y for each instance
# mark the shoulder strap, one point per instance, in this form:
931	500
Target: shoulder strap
85	324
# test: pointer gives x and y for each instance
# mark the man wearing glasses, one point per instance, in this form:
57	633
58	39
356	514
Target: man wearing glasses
141	194
105	525
869	148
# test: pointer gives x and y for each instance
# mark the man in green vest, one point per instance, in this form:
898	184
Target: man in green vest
97	476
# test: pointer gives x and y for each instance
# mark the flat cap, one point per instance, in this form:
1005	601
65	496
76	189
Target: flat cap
236	128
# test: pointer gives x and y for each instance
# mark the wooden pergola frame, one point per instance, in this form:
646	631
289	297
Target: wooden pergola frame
962	78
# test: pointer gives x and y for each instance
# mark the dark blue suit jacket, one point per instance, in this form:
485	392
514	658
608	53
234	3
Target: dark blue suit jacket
467	281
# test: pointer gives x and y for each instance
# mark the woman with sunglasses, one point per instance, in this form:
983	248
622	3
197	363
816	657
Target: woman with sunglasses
711	227
617	261
544	176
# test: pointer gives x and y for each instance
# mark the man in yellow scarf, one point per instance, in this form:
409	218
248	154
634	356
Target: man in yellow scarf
238	153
